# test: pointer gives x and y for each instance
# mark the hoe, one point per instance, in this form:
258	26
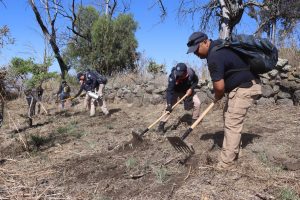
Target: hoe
139	136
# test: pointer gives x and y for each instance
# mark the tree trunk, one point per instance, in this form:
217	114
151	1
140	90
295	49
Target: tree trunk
106	7
51	38
225	30
273	37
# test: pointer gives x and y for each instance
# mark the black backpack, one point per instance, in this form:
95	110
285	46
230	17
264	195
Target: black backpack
260	54
100	78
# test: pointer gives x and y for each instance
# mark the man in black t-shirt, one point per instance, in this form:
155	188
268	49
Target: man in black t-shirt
241	87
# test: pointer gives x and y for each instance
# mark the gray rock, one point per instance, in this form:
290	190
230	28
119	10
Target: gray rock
281	63
283	95
156	99
287	68
149	89
159	90
119	93
296	97
273	73
265	101
296	74
146	98
267	91
266	76
291	77
137	89
283	75
289	85
110	97
202	96
125	91
264	81
287	102
276	89
129	97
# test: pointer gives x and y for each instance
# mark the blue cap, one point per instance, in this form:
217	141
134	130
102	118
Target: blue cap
194	41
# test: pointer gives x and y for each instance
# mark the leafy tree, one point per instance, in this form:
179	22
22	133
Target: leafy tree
79	48
5	37
155	68
108	44
31	73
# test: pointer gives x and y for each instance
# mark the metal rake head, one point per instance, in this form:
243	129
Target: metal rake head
137	136
180	145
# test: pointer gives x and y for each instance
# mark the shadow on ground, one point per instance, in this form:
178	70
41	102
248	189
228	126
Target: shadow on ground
217	137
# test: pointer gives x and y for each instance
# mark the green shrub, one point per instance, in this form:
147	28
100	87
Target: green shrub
38	141
130	163
288	194
161	174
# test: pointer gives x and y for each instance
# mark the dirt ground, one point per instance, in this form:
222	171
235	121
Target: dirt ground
68	155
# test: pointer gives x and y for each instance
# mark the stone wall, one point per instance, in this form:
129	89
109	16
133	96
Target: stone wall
280	86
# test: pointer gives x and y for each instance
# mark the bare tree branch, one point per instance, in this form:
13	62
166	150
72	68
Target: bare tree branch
50	37
163	10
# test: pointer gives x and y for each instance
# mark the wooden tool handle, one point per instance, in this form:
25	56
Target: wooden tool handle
165	113
202	115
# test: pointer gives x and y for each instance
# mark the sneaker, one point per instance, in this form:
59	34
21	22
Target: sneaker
161	127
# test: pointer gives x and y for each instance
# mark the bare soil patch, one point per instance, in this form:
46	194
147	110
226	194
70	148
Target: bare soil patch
72	156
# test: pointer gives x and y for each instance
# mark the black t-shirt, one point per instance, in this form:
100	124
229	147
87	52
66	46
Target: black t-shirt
221	60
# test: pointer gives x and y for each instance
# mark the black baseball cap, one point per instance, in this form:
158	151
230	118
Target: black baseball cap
180	69
194	41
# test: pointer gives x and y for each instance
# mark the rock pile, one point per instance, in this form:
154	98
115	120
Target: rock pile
281	85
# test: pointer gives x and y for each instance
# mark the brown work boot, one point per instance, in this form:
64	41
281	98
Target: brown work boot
225	166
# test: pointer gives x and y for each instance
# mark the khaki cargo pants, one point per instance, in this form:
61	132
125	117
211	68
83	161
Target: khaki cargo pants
238	102
91	103
188	105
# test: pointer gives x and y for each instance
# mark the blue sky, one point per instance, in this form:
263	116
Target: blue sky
165	42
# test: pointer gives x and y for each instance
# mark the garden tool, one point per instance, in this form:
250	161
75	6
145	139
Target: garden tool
178	143
139	136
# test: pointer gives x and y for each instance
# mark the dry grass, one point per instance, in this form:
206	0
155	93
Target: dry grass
100	164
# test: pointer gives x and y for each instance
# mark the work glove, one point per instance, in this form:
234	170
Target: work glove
169	108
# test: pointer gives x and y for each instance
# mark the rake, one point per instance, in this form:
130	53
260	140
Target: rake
178	143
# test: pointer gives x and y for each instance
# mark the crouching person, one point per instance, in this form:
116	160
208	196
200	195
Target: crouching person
94	87
182	80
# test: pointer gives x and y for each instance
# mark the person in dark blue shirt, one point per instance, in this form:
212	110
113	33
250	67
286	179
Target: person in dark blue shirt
90	83
240	86
182	80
